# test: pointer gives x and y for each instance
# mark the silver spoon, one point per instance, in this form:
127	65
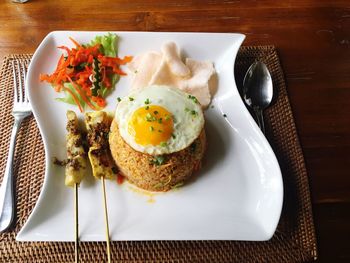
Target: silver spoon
258	90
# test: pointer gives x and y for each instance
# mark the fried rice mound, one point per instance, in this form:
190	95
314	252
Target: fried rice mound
156	173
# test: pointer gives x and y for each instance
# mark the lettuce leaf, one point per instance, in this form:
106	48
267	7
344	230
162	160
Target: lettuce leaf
114	79
108	43
68	98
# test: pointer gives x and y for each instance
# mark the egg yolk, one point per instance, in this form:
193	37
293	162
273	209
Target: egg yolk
151	125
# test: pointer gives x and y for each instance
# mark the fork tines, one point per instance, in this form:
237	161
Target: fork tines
19	69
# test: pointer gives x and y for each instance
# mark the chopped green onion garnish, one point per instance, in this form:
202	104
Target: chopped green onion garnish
194	113
148	117
173	135
151	128
131	99
119	99
167	117
147	107
158	160
163	144
193	98
160	120
147	101
155	112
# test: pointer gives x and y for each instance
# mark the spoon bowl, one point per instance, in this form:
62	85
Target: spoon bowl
258	90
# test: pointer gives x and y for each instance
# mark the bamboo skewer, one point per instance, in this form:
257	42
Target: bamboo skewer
106	218
75	169
76	219
97	124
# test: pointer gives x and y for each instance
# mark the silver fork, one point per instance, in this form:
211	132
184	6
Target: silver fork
21	109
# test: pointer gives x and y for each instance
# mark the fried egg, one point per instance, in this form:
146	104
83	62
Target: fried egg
159	120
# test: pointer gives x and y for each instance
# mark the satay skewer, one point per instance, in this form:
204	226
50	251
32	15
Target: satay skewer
106	218
76	220
98	124
76	168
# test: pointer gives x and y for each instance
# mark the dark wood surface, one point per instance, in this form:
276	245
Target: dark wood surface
313	41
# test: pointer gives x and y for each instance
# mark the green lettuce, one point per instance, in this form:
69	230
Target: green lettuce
68	98
108	43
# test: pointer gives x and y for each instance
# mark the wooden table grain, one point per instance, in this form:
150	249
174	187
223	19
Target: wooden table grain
313	40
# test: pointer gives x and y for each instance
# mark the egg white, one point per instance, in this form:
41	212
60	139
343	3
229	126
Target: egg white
187	126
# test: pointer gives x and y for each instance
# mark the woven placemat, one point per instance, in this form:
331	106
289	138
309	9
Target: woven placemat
294	240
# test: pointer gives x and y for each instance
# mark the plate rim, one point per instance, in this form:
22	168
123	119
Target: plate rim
233	60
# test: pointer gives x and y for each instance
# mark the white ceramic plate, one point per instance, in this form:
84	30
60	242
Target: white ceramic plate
237	196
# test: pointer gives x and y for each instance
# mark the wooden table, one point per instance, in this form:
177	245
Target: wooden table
313	40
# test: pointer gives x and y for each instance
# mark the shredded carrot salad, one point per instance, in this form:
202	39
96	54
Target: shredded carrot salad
86	74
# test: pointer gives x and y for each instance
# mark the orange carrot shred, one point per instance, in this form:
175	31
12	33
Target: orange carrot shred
86	100
74	98
75	66
75	42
